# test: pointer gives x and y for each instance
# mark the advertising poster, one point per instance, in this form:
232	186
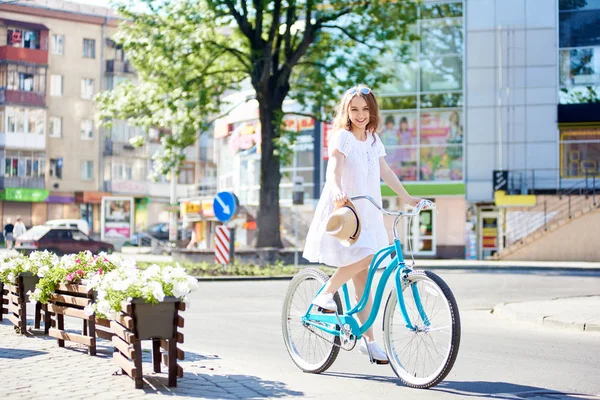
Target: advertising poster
399	129
117	218
399	136
441	146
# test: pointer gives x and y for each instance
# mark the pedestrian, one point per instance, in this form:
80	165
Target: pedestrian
356	164
8	233
19	228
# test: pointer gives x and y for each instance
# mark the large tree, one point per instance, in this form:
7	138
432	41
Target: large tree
189	53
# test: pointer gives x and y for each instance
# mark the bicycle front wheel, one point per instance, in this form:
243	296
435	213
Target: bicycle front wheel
422	355
311	349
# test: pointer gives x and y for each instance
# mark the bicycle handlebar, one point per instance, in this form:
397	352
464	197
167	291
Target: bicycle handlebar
420	206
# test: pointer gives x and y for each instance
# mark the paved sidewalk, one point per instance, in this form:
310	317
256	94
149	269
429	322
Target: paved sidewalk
34	367
577	313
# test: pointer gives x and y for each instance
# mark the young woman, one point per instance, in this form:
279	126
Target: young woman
356	165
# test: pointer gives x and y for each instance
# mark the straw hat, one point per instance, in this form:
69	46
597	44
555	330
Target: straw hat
344	224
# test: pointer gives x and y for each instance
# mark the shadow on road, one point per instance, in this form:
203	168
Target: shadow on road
211	387
19	354
481	389
503	390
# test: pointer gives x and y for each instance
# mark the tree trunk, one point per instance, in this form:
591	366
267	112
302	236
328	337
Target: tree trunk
268	219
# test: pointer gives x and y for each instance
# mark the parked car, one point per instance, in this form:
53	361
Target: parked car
160	231
59	240
80	224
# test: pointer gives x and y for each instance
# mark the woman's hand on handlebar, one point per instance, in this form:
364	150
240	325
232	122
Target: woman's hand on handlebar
413	201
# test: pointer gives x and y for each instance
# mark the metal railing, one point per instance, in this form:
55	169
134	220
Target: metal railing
548	180
568	202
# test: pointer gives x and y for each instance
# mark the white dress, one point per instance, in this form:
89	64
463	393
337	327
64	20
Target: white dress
360	176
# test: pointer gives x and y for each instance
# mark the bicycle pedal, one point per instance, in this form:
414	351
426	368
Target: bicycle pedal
325	310
381	362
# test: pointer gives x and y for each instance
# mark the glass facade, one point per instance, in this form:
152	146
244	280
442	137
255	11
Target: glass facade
579	80
422	113
579	54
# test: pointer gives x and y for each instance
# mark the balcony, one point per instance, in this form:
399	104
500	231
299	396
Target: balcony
112	148
33	99
21	54
22	182
117	66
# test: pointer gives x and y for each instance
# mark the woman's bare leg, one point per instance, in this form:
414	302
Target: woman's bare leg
360	282
344	274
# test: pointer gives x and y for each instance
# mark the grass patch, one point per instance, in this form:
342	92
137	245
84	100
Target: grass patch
235	269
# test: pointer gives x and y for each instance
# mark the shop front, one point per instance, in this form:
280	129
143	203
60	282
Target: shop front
435	233
89	205
25	203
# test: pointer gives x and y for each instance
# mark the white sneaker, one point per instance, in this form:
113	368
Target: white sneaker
325	302
377	353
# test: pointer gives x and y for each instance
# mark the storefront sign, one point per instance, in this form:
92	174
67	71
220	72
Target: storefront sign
25	194
60	199
500	180
90	197
117	218
129	187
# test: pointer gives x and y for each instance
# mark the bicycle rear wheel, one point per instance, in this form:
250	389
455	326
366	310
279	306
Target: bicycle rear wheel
311	349
422	357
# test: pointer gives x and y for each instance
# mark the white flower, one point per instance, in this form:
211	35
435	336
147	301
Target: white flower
43	271
89	309
157	291
11	277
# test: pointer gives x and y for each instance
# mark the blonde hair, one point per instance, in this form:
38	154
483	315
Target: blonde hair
341	119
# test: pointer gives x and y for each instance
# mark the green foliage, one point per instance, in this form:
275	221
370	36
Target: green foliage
205	269
69	269
579	95
190	53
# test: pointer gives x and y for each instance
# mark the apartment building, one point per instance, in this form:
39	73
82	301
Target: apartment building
55	162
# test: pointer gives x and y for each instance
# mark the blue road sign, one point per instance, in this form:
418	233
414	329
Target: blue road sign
225	206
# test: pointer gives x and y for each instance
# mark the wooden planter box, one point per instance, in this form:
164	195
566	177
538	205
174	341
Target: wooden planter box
3	301
70	300
14	301
157	322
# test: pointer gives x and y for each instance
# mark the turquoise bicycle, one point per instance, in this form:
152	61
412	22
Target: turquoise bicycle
421	322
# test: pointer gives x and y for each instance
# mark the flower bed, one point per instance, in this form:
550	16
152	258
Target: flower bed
109	292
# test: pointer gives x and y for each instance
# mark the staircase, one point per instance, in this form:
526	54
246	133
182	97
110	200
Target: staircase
525	227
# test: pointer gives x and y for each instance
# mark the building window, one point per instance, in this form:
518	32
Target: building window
25	120
25	164
26	82
122	171
87	129
186	174
89	48
579	53
422	116
580	153
87	89
56	85
87	170
23	77
27	39
56	166
58	44
55	127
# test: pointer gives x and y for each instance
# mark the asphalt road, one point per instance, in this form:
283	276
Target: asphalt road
239	322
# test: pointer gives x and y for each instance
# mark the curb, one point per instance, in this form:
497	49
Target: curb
242	278
504	310
484	268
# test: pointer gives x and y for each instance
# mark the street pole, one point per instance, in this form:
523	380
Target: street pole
173	203
295	236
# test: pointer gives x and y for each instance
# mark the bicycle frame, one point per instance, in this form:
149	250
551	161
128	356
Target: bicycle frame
400	270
